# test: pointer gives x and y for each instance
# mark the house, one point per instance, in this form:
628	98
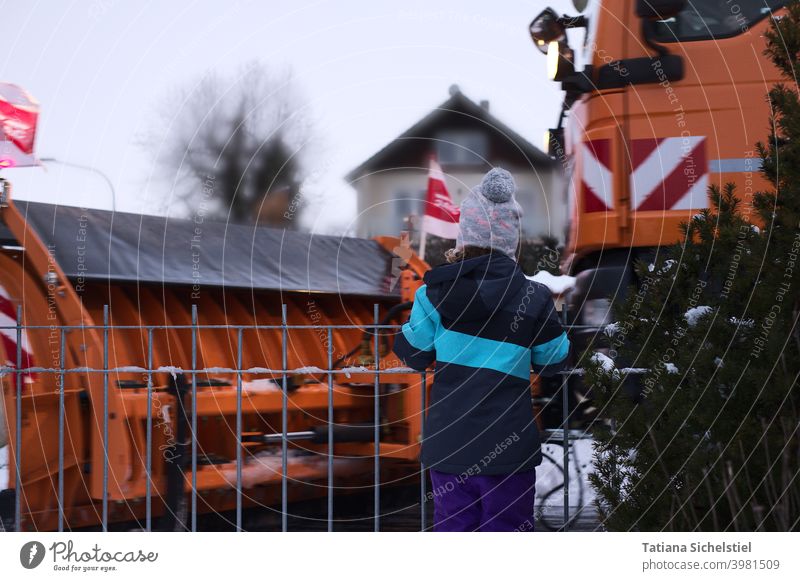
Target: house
467	140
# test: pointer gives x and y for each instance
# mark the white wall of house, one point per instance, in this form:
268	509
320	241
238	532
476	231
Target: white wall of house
386	198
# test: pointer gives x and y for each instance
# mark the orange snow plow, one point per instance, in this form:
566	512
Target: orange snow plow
161	362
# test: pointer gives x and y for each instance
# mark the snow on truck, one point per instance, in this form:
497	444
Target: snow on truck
671	99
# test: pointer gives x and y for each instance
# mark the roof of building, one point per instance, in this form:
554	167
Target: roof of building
458	108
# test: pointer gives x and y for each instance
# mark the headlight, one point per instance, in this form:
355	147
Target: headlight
560	59
596	312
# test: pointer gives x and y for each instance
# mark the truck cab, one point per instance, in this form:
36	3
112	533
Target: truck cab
670	99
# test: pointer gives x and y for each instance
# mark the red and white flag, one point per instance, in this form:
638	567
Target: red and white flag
441	216
19	114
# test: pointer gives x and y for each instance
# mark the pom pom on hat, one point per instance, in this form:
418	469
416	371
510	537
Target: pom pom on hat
498	185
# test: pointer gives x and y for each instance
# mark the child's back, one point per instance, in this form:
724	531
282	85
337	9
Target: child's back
485	324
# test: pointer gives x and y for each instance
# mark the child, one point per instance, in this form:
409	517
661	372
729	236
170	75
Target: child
484	324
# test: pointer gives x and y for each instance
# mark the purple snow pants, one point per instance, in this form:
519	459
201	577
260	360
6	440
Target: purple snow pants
502	502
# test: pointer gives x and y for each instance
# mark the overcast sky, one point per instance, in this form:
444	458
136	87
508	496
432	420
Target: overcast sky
369	70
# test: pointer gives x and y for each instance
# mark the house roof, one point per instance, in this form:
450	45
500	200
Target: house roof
457	108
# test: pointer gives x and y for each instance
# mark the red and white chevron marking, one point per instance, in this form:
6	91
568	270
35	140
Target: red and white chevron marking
8	318
669	173
596	178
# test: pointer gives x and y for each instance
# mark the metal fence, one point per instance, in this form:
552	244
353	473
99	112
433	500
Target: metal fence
563	437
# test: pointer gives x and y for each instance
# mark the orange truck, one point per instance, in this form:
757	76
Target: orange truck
670	99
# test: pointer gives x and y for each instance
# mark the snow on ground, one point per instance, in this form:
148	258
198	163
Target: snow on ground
557	284
549	475
694	314
3	467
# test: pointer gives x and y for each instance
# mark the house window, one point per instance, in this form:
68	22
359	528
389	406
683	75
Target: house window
406	204
462	147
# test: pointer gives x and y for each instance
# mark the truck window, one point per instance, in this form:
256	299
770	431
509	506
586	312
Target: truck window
713	19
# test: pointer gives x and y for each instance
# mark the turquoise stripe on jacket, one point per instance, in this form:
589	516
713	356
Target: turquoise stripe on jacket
552	352
425	332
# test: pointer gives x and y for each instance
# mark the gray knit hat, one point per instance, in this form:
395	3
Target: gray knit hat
490	215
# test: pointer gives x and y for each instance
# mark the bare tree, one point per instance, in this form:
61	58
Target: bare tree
234	145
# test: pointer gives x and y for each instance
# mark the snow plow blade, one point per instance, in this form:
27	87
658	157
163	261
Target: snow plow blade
104	313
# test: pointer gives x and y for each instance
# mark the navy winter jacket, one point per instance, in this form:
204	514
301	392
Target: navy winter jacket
485	325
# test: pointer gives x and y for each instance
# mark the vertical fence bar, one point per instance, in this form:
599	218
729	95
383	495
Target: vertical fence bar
284	446
565	435
148	493
61	374
565	444
18	434
105	418
377	427
422	482
239	430
194	418
330	430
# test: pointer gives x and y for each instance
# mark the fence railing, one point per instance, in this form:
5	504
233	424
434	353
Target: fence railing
20	371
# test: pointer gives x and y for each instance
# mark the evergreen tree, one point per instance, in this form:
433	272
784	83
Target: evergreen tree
707	435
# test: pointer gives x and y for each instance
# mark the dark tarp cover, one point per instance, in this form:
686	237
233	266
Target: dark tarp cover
99	246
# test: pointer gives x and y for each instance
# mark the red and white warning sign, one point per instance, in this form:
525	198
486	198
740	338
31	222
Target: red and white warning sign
669	173
596	181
